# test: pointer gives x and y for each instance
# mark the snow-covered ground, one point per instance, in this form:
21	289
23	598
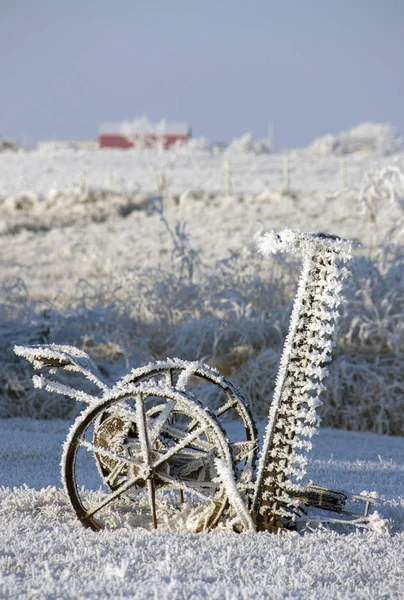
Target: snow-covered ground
40	250
138	171
75	215
89	257
45	552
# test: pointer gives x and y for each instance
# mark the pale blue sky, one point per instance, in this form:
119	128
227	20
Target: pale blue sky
225	67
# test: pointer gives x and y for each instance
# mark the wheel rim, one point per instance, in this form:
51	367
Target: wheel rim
157	471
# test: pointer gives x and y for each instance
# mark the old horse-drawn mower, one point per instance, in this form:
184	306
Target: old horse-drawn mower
173	444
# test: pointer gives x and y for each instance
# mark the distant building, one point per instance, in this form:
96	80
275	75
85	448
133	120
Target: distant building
51	145
143	134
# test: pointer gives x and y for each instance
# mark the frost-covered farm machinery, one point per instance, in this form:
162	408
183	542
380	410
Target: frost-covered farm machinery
149	452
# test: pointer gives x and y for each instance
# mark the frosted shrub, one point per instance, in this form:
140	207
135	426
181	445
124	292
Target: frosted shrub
379	138
144	316
382	199
234	316
367	376
247	143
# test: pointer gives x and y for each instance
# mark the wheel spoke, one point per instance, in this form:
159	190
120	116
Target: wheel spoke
151	492
160	421
169	377
181	445
143	434
126	460
180	434
193	454
230	404
146	452
115	473
111	497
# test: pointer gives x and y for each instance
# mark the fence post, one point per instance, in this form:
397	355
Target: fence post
83	184
161	182
228	175
286	175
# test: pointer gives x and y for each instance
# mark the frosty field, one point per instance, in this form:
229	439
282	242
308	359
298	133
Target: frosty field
46	553
139	256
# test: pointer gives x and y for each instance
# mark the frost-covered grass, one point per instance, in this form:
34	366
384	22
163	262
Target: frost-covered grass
45	552
133	277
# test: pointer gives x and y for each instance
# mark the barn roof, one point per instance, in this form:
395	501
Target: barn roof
145	127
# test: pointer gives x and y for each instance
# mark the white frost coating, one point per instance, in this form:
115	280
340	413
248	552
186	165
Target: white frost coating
142	432
299	381
297	242
65	390
38	381
275	405
174	363
64	357
186	374
119	458
235	499
32	353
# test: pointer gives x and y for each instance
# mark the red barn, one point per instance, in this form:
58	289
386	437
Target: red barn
143	134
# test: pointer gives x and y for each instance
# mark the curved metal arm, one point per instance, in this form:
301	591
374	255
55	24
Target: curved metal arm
64	357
